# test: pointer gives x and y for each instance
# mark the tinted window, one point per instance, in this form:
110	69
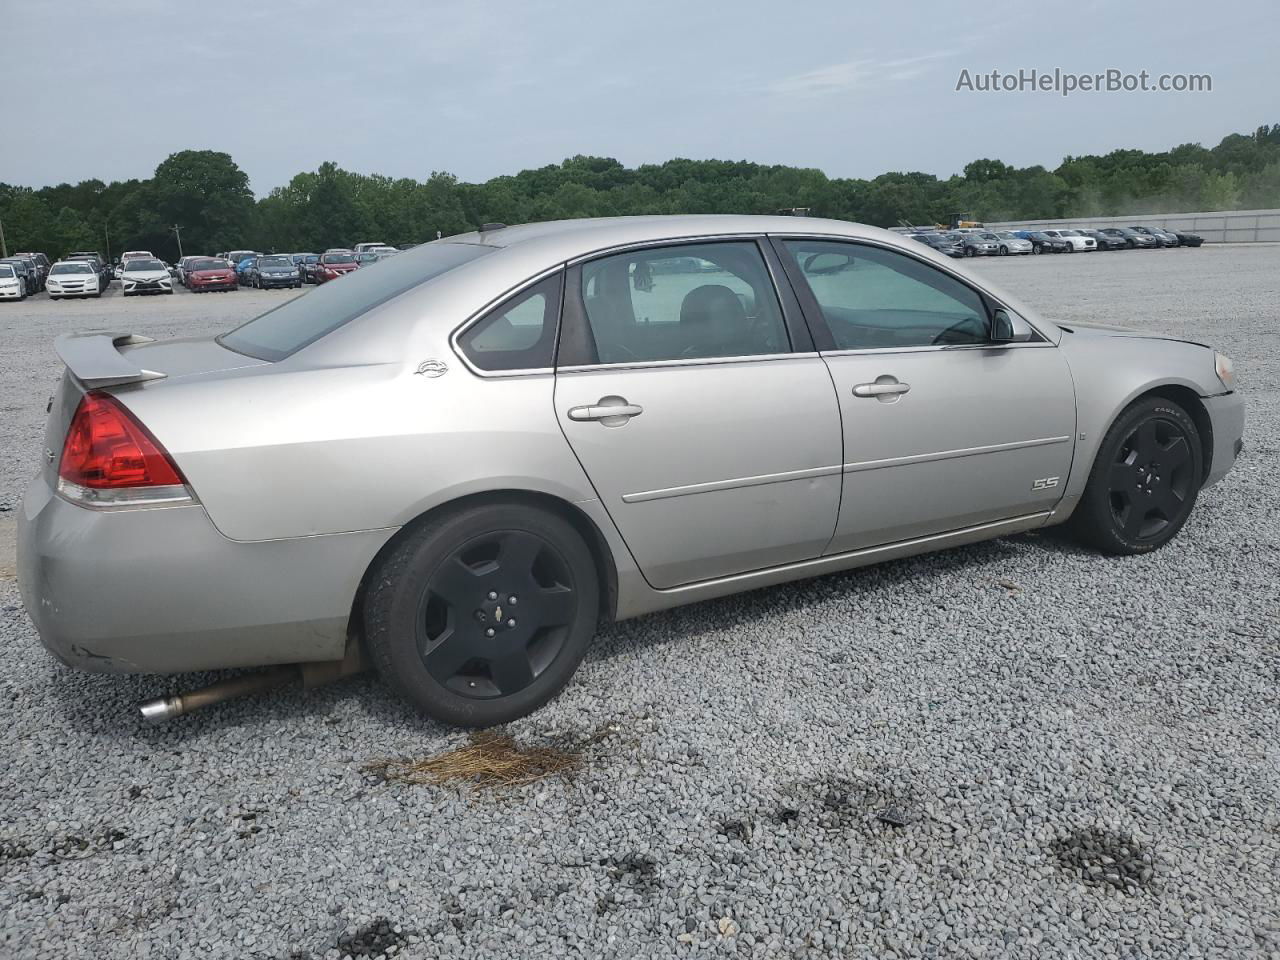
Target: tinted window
77	266
279	262
338	258
7	271
873	298
303	320
138	265
694	301
520	334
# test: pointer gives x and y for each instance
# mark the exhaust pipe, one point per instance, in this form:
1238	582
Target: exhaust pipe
311	674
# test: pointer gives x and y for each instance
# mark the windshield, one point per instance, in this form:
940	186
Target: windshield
988	236
208	265
78	266
1007	236
280	262
338	258
303	320
366	257
136	265
7	271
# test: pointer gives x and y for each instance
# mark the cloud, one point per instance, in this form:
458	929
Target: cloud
855	75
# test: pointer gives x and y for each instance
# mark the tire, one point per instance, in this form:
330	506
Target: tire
1144	481
1035	250
445	588
968	251
1004	251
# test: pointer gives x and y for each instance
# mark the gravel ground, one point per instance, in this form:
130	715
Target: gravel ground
1014	749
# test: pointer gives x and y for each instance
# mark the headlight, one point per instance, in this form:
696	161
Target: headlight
1225	369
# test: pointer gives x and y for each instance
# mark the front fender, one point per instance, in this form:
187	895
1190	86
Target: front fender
1110	372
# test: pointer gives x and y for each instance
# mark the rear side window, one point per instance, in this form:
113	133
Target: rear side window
688	302
303	320
518	334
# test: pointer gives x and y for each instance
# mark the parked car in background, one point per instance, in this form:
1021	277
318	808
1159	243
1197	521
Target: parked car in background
1132	238
367	257
1042	242
13	285
944	245
298	259
1169	238
145	275
181	268
41	262
1189	239
1076	241
308	267
26	269
273	270
975	243
305	488
243	266
1009	243
1105	241
100	265
1158	236
235	256
136	255
362	247
33	268
334	265
203	274
384	252
73	278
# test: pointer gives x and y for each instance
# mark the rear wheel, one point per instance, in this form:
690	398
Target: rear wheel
482	616
1004	251
1144	481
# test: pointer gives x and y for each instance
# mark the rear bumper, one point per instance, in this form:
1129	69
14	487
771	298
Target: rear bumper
162	591
1226	413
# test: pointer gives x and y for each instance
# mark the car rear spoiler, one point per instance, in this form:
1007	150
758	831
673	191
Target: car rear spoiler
94	360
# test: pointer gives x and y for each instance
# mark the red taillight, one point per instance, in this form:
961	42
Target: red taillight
108	449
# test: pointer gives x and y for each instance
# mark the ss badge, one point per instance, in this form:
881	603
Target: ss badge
1045	484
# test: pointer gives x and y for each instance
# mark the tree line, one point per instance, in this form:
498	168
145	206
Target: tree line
207	197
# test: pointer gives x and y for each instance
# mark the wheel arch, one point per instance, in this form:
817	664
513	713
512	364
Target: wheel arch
591	534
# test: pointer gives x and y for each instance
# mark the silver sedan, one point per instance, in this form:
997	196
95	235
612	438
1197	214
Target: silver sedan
457	461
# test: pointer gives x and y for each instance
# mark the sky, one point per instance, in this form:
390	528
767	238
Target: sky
402	88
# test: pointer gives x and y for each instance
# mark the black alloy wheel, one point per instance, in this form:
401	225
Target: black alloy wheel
1150	479
481	616
1144	481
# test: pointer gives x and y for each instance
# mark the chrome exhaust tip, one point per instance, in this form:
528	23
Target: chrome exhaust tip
160	709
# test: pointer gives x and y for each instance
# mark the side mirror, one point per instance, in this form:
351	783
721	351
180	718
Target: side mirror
1008	327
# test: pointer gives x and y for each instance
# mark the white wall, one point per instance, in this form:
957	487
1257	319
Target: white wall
1222	226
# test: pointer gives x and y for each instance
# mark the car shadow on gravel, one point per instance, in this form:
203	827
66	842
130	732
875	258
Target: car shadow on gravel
732	612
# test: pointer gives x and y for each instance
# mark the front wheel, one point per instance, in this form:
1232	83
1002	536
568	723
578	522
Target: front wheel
482	615
1035	251
968	251
1144	481
1004	251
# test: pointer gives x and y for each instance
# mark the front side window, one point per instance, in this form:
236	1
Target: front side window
688	302
873	298
519	334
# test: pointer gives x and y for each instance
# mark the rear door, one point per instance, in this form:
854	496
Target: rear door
692	396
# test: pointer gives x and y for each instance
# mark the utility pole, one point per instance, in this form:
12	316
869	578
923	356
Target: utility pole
178	233
106	229
4	248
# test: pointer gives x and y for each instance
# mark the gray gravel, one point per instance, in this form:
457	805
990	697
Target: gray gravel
1015	749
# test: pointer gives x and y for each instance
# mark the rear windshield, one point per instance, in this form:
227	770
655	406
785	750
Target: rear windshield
303	320
77	266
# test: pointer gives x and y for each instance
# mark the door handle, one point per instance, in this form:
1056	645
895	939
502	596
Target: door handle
610	411
881	388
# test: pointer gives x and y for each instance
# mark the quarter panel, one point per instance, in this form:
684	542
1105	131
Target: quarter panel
315	451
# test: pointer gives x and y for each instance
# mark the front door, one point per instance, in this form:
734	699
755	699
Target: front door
943	428
713	445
